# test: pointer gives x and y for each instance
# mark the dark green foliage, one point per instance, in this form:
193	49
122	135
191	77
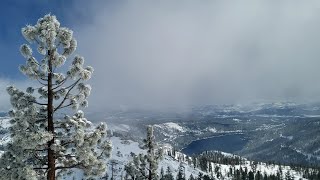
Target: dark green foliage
191	177
168	175
251	175
181	173
203	163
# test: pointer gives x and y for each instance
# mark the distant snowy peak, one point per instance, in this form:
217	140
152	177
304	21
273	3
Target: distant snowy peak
3	113
124	149
171	127
119	127
274	108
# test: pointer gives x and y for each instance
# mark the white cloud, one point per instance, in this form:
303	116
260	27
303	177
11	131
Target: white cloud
175	53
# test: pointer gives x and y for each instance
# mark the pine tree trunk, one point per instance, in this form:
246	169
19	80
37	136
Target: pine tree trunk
150	171
150	175
51	159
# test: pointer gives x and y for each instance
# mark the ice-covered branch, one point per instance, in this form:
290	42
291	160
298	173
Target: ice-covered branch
66	96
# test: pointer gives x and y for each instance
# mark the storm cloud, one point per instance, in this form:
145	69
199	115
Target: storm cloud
177	53
153	54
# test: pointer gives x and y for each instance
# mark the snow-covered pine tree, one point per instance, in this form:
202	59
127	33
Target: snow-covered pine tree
181	173
168	175
191	177
45	141
161	173
154	154
144	166
131	171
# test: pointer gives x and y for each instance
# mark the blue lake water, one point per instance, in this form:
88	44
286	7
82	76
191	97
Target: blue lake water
227	143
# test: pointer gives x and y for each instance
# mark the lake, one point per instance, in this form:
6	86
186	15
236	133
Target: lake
227	143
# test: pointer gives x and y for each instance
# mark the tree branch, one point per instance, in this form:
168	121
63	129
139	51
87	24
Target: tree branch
68	167
61	107
41	82
42	104
39	120
36	149
60	84
65	97
66	143
39	168
67	155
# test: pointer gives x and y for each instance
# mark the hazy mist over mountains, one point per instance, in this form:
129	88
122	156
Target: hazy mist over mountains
150	54
172	55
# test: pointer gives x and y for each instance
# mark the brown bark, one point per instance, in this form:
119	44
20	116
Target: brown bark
150	173
51	158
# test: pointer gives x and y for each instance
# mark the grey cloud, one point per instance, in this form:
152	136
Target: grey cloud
175	53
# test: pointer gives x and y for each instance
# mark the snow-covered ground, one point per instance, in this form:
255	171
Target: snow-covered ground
124	149
171	126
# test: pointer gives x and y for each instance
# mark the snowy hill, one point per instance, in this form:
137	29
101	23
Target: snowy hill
282	132
124	150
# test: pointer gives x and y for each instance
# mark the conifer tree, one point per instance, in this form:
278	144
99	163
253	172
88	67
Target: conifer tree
181	173
200	176
288	176
45	141
168	175
154	154
258	176
161	173
191	177
144	166
131	169
251	175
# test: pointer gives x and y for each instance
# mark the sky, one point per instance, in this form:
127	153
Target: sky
163	54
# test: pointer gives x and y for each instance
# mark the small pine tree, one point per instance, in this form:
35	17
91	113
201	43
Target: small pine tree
200	176
191	177
145	166
238	174
168	175
258	176
181	173
251	175
45	144
288	176
265	176
154	154
206	177
131	170
161	174
194	162
203	163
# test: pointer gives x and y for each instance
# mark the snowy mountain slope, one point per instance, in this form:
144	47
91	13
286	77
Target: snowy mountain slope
123	151
171	126
262	124
124	148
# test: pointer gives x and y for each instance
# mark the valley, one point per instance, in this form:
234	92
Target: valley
276	132
229	143
262	141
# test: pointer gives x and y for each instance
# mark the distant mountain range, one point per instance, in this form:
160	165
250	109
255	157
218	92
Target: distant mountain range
283	132
223	165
